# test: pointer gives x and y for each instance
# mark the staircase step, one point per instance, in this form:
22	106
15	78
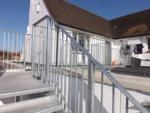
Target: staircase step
24	92
47	104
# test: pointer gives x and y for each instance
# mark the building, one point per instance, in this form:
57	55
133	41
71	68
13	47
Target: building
66	49
103	38
10	55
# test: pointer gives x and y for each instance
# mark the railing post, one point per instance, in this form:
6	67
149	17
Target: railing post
26	36
113	98
32	50
91	69
46	65
127	105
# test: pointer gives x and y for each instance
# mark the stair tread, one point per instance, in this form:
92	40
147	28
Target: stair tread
46	104
17	84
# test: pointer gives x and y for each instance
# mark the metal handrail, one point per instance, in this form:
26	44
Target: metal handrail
102	69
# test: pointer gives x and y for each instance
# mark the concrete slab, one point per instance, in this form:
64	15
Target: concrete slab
20	83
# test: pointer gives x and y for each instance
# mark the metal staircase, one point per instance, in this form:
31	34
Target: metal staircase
71	70
68	72
22	87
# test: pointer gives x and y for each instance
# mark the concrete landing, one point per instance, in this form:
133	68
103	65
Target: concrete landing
20	83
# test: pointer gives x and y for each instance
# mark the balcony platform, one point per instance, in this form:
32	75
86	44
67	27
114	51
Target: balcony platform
20	83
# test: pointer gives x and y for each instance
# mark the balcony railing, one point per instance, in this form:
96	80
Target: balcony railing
12	51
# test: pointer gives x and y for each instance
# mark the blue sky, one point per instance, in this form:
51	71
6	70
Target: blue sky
14	13
113	8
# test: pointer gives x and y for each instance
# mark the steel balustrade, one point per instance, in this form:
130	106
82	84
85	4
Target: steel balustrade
13	51
75	75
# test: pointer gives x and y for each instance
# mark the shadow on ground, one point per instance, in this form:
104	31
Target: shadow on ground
1	71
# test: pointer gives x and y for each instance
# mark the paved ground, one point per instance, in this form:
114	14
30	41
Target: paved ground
19	81
137	83
134	71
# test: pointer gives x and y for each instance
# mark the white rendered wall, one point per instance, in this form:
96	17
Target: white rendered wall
135	40
36	12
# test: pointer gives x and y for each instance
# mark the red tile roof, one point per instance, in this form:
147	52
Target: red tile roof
70	15
137	24
73	16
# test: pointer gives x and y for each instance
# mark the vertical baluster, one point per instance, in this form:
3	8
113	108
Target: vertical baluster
127	105
4	50
39	58
70	84
35	53
102	87
113	98
57	60
56	66
52	34
62	78
91	71
8	51
59	64
12	45
24	40
46	59
66	81
32	49
120	107
17	43
43	55
76	79
54	59
61	36
50	58
1	49
21	51
11	51
82	82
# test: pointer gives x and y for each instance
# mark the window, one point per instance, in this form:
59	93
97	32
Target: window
148	43
87	43
75	38
81	40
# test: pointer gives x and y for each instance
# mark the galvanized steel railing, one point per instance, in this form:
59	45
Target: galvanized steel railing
12	51
77	78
